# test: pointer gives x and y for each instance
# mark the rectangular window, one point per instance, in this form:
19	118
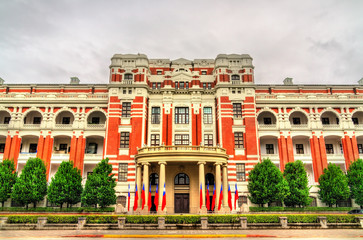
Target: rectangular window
360	148
92	148
159	72
126	109
207	115
325	121
159	85
341	149
155	115
270	149
181	115
187	85
355	121
204	72
237	110
204	86
181	139
296	121
154	86
329	148
238	139
176	85
155	140
2	147
299	149
181	85
122	172
66	120
33	148
267	121
209	85
63	147
95	120
6	120
208	140
124	139
241	172
37	120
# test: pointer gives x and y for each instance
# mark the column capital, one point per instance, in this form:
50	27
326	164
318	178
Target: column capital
145	163
217	163
201	163
160	163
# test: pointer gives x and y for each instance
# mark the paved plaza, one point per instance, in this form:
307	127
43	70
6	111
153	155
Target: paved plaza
186	234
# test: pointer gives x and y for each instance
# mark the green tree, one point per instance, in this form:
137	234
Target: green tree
66	185
100	186
355	181
266	184
31	186
333	184
7	179
296	177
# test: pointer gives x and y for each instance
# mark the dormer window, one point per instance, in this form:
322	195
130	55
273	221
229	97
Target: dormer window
159	72
128	76
204	72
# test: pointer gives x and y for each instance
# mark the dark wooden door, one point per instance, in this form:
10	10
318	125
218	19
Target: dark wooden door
181	202
153	207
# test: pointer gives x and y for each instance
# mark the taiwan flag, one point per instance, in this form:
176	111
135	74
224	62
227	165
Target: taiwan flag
220	198
143	197
149	199
128	200
163	203
214	198
235	196
136	198
200	197
229	197
156	199
207	196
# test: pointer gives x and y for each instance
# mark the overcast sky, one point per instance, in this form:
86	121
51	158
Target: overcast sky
312	41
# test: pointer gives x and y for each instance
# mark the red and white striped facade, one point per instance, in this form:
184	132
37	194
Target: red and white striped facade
83	123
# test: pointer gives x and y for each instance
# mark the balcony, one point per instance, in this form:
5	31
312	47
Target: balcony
335	158
275	158
28	125
96	126
299	126
24	156
267	126
331	126
183	153
63	126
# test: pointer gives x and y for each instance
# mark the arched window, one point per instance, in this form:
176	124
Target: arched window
154	179
313	202
181	179
128	76
209	178
235	77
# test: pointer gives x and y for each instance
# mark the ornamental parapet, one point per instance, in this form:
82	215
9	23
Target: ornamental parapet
181	154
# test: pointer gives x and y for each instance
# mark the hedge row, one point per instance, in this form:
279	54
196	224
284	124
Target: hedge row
190	219
306	209
50	209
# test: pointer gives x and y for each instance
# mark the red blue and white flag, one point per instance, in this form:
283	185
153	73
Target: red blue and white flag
207	196
214	198
229	197
156	199
220	198
136	200
200	197
128	199
163	204
235	196
143	197
149	199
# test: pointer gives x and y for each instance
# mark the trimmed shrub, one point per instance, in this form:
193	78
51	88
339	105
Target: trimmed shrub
63	219
183	219
142	219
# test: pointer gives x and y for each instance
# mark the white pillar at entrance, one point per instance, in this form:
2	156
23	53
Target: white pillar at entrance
225	186
138	183
202	181
146	183
218	184
161	184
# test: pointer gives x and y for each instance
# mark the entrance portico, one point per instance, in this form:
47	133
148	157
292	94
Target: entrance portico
183	169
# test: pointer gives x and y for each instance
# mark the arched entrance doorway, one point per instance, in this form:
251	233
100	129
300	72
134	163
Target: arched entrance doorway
181	196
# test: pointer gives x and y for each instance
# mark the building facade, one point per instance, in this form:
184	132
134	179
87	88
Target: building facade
188	124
